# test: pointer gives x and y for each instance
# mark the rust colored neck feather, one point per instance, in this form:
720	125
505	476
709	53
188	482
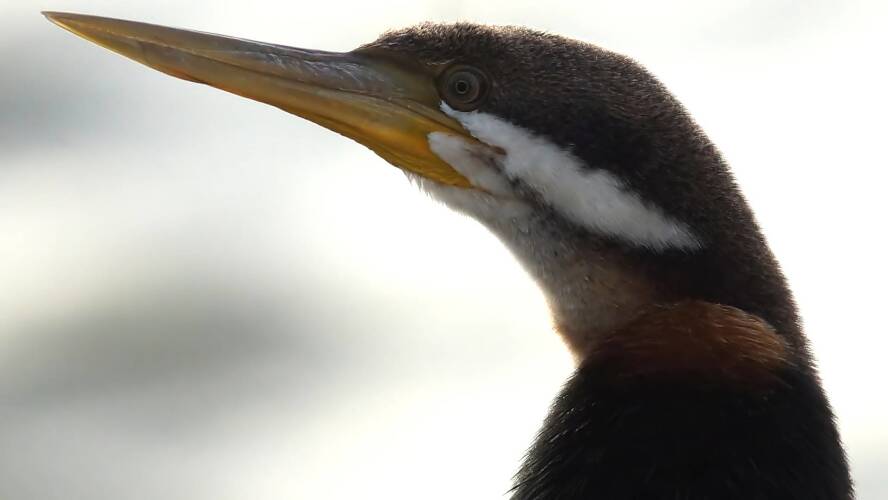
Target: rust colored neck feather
695	342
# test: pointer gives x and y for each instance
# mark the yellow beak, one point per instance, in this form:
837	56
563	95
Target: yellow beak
388	105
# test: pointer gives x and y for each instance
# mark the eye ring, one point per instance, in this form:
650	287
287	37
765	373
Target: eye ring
463	88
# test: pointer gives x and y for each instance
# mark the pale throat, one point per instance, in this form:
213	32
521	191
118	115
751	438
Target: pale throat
591	289
560	219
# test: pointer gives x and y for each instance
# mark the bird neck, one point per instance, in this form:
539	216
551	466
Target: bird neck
590	287
689	400
595	286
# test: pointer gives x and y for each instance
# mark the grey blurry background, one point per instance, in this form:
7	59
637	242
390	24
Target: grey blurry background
204	297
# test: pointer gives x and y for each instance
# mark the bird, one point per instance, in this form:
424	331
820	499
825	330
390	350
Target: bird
694	378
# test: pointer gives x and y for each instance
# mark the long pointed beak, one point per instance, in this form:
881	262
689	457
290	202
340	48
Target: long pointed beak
387	105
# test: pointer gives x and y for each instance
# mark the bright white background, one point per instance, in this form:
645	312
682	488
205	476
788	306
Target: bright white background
204	297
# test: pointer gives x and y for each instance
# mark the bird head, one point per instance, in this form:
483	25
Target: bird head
578	159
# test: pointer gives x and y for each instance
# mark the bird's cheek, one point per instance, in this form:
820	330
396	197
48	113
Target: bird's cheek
474	161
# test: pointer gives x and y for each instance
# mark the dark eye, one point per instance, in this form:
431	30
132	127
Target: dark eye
463	88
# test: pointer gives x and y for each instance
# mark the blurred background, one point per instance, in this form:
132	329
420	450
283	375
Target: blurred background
204	297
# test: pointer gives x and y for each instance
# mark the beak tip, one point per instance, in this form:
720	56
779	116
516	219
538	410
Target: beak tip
65	19
56	18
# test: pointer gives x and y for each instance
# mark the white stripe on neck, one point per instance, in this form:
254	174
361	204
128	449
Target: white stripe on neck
591	197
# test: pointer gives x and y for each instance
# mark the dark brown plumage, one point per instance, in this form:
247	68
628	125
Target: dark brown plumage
710	393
